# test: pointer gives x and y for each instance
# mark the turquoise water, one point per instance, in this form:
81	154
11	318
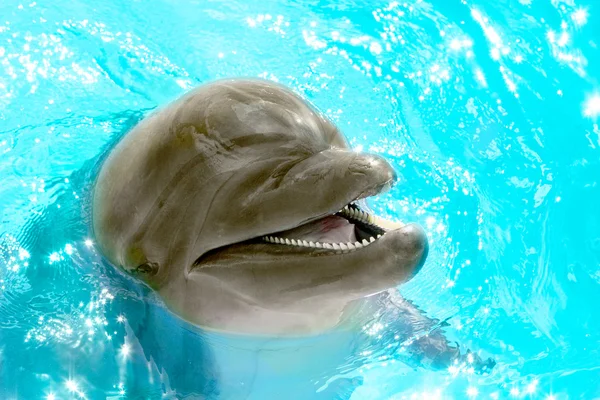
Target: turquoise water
488	110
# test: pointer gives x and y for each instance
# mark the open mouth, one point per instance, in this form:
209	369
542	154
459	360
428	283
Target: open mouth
349	229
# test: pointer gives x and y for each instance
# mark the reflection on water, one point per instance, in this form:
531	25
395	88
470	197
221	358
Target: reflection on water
487	109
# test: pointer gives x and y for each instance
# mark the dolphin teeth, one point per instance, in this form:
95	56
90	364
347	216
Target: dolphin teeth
365	242
305	243
372	239
327	246
294	243
351	246
336	246
277	240
311	244
318	245
343	246
287	241
378	236
358	245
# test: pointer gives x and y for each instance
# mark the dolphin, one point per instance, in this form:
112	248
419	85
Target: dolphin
243	207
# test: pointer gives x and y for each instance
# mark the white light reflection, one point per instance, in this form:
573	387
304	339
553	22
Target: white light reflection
472	392
375	48
532	387
491	34
563	40
580	16
591	107
125	350
71	385
480	77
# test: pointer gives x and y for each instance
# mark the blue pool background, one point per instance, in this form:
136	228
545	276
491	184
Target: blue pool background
488	110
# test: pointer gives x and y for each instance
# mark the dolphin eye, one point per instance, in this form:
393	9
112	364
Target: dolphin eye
148	268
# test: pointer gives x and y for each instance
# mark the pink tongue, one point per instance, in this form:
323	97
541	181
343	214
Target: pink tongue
330	229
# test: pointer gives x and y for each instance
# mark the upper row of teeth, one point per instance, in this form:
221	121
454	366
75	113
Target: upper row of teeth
367	218
321	245
357	214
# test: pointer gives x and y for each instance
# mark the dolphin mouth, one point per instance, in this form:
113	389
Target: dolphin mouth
349	229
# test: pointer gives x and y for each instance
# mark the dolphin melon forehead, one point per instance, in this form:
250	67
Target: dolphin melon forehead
212	131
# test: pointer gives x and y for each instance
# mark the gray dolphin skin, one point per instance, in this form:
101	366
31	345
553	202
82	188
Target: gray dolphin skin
239	204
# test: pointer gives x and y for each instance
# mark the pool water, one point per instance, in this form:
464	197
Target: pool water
487	109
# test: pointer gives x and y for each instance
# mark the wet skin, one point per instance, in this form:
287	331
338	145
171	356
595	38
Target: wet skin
239	204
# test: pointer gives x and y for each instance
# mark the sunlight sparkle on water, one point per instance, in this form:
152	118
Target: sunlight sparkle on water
51	396
430	221
532	387
480	77
71	385
591	108
564	39
89	243
472	392
125	350
580	16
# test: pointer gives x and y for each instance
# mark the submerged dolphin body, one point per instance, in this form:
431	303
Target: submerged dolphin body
237	203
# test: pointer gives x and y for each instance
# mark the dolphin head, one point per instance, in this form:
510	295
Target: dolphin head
239	204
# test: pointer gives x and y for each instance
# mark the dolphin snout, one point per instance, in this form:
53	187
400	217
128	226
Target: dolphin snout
379	174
